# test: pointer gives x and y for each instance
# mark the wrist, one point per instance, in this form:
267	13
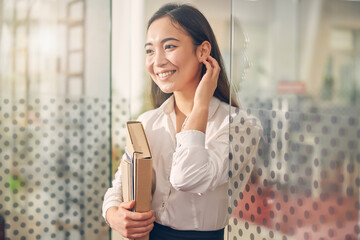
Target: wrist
109	214
202	109
197	119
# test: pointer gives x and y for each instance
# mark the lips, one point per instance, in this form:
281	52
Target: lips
165	74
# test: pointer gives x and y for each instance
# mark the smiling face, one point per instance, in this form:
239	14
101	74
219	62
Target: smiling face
171	57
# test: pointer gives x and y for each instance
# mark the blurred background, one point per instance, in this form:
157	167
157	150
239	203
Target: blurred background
72	73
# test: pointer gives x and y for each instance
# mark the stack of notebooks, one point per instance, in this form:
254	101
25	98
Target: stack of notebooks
136	169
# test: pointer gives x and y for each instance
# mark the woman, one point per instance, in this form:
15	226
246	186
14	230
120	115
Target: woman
188	133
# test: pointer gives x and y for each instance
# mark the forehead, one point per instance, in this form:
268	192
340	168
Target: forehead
165	27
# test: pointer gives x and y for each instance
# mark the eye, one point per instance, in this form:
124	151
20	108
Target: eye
169	46
149	51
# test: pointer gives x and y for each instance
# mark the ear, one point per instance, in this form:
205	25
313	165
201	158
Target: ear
203	51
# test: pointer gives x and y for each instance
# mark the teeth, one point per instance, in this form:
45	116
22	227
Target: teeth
162	75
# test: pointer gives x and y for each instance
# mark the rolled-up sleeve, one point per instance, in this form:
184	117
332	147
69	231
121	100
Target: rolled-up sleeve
113	196
197	168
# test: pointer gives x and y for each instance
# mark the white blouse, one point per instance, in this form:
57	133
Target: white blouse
192	168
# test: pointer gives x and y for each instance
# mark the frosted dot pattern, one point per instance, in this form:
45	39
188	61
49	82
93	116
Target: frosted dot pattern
304	182
54	167
121	115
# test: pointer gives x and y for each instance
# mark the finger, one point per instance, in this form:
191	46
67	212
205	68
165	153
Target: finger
131	223
207	63
141	228
214	63
128	205
213	69
137	232
215	66
136	216
208	66
212	60
140	233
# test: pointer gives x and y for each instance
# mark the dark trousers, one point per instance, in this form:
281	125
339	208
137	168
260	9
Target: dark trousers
161	232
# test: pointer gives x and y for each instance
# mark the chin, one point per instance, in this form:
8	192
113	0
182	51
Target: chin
166	90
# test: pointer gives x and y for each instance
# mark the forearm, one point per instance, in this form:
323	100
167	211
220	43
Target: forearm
113	196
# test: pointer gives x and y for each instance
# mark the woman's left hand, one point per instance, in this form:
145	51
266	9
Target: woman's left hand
208	83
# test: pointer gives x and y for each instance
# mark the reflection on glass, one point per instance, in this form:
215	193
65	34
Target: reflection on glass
305	180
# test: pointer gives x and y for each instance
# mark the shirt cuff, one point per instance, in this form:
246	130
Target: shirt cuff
190	138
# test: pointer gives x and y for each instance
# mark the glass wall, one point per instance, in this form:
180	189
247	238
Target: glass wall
296	72
294	67
54	118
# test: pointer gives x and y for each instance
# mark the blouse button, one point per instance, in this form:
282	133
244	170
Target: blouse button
163	204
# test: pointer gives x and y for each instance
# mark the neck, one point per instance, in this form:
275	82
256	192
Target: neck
184	102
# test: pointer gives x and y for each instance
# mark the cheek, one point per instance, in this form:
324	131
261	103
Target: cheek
177	60
172	56
184	59
149	65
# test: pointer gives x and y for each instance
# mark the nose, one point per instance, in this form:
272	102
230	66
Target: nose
160	58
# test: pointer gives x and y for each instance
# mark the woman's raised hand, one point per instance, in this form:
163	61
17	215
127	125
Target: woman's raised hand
203	94
208	83
130	224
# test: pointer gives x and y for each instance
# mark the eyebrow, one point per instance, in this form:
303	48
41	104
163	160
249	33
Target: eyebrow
163	41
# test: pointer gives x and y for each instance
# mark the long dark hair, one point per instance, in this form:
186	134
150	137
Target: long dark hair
196	25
